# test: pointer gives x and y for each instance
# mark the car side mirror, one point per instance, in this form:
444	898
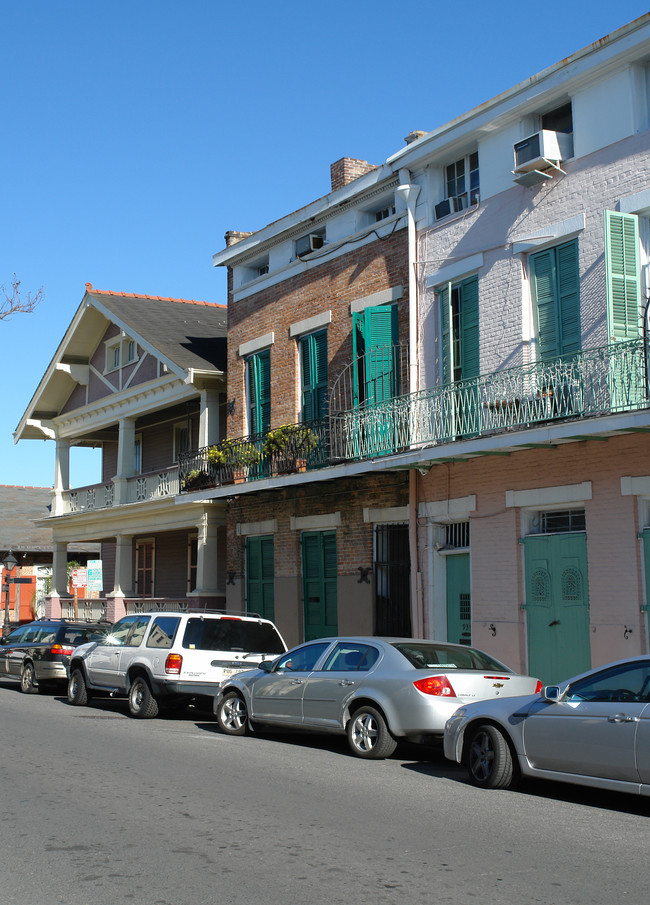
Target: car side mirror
551	693
266	666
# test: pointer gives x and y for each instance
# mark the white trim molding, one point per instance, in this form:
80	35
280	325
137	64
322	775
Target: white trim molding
250	529
384	297
448	510
456	270
315	522
635	486
310	324
634	204
563	495
387	515
563	229
254	345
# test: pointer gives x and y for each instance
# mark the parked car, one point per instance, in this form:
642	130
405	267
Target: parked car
170	658
38	653
593	730
376	690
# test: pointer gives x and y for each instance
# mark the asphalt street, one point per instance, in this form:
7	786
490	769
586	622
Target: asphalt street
100	809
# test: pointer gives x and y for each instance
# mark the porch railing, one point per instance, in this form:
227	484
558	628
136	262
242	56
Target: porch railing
592	382
283	450
151	486
88	609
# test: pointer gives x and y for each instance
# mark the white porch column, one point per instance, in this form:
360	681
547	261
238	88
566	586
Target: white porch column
209	432
123	566
125	458
61	474
207	558
60	570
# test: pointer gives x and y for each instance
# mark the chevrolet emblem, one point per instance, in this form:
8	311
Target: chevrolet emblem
497	685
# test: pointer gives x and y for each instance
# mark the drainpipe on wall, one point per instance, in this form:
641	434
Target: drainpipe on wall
408	193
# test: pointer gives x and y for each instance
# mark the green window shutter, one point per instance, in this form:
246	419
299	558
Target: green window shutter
444	294
259	388
544	286
260	576
469	343
623	275
568	277
375	334
313	350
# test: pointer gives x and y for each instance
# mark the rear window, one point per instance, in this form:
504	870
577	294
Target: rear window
76	635
430	656
232	635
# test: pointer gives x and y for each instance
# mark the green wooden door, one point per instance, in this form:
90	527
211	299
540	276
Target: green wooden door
320	572
557	605
459	601
260	576
375	337
313	354
259	392
459	320
555	282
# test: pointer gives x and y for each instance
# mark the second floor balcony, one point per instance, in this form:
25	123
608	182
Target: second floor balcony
140	488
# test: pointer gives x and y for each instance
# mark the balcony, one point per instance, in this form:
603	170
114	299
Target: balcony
140	488
287	449
593	382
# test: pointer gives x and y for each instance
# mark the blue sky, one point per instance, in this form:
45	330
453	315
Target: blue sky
135	133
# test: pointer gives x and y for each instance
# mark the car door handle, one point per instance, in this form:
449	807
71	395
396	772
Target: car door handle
346	682
296	682
622	718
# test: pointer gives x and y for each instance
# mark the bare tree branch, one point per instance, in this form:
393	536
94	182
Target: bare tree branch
11	301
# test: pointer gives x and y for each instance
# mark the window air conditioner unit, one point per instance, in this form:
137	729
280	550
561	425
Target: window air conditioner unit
542	151
450	206
308	243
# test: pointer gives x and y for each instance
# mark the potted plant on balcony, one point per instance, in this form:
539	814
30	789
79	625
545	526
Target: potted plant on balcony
288	446
238	457
197	480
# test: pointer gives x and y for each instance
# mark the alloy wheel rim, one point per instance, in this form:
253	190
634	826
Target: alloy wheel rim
365	732
482	756
234	714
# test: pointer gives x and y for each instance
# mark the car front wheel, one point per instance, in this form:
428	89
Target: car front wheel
77	691
489	759
368	734
232	714
142	703
28	679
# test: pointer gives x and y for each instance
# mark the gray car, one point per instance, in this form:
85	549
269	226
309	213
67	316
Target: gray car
376	690
593	730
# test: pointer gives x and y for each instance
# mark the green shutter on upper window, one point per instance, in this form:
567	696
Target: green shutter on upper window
444	295
375	336
623	275
259	389
555	280
313	350
469	328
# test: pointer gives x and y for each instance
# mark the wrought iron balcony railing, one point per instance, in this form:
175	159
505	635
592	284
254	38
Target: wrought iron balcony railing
593	382
283	450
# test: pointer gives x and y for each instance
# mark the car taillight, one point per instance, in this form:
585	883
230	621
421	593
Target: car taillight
59	649
438	685
173	664
538	687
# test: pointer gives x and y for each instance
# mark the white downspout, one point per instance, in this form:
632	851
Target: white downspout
408	193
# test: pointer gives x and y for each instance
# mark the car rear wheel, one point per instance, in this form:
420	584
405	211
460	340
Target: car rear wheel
368	734
142	704
232	714
489	759
77	690
28	679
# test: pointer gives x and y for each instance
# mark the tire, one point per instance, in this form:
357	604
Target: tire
232	714
489	759
28	679
77	690
142	704
368	734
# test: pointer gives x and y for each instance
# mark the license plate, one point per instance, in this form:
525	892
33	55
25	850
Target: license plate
232	670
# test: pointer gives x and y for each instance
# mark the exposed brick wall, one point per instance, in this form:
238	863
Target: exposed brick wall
330	286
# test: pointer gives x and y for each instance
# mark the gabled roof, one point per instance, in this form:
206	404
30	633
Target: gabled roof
192	334
185	335
19	507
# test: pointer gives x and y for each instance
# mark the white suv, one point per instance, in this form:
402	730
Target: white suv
164	658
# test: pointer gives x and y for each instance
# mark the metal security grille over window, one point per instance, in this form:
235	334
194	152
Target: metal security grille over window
554	522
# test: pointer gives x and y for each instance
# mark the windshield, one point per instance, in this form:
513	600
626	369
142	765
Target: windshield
232	635
444	656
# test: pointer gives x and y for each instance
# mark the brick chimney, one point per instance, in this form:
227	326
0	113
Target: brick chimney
233	236
346	169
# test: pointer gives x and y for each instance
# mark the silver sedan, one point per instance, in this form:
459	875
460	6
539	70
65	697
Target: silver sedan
593	730
375	690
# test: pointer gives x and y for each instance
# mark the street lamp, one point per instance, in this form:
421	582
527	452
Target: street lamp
9	562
